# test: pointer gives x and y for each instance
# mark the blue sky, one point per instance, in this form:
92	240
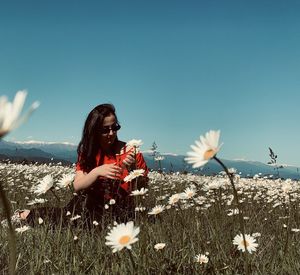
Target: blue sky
173	69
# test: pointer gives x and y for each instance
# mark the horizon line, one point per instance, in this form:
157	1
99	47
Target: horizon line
143	151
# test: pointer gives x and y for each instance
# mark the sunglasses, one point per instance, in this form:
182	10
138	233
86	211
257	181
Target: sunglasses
106	129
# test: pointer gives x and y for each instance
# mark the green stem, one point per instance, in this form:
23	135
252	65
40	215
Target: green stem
241	219
132	261
11	233
288	229
58	200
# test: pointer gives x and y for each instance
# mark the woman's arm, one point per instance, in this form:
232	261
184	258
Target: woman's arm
84	180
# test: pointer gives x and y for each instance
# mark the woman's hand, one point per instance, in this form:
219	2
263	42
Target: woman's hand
85	180
129	160
110	171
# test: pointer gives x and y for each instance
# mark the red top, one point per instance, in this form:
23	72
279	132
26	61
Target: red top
118	159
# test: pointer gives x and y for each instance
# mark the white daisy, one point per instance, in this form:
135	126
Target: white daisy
46	261
156	210
22	229
232	212
134	174
188	193
201	259
140	209
75	218
140	192
45	184
95	223
174	199
134	143
286	187
159	246
10	112
232	170
205	149
66	180
112	201
122	235
249	244
36	201
159	158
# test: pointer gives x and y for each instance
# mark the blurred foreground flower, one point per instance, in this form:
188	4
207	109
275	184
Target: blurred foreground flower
10	112
249	243
9	120
205	149
122	235
45	184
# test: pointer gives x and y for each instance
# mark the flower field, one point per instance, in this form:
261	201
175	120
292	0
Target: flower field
184	224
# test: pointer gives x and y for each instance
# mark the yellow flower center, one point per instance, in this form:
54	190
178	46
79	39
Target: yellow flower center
124	240
246	243
209	154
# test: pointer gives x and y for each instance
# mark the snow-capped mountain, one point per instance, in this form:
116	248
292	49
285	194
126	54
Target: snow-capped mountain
57	151
247	168
61	150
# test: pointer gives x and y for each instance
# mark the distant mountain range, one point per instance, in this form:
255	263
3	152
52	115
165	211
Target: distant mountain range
45	152
33	151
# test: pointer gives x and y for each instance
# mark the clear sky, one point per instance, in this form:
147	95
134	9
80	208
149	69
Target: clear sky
173	69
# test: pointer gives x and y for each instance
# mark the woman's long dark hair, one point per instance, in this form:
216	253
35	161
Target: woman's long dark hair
89	145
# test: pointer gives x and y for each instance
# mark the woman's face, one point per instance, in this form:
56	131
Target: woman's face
108	135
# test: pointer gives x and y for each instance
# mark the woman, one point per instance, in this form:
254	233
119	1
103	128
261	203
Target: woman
103	163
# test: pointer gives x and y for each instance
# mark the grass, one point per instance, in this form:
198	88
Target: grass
192	226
